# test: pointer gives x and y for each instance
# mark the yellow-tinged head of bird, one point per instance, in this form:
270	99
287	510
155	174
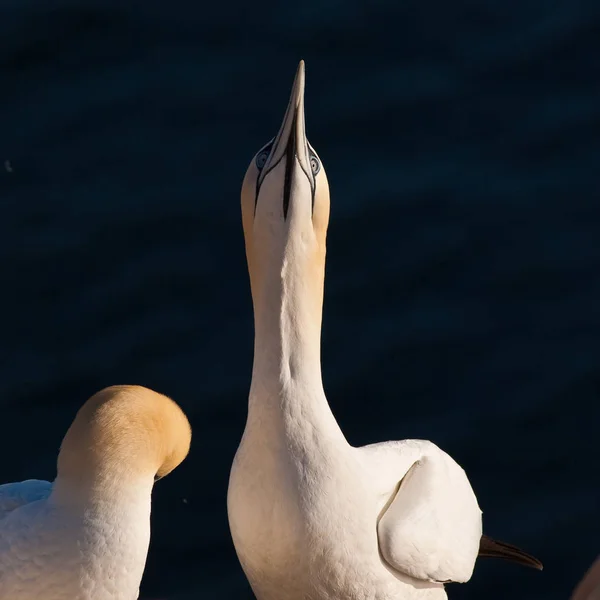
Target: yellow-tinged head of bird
285	200
125	432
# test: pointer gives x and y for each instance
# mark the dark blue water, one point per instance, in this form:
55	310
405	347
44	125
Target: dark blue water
462	145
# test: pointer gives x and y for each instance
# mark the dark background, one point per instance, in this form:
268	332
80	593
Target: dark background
462	145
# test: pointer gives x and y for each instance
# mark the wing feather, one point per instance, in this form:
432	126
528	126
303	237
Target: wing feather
431	530
15	495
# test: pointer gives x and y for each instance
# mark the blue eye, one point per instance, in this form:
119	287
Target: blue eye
263	155
261	159
315	165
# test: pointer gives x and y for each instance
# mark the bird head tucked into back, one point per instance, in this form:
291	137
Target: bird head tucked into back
285	202
124	434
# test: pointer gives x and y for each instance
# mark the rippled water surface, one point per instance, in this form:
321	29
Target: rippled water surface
461	142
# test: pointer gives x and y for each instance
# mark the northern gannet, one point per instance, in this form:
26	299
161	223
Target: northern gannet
85	536
311	516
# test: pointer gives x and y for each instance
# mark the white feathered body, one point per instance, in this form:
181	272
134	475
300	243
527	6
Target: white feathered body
52	550
315	518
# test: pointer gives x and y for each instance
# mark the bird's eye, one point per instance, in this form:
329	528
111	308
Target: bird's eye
315	165
263	155
261	159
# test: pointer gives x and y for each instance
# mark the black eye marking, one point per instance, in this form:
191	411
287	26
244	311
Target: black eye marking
261	159
260	162
290	155
311	180
263	154
315	166
315	163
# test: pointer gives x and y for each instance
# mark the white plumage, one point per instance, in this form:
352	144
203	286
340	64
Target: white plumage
15	495
85	536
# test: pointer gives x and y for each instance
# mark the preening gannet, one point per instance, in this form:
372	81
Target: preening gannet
311	516
85	536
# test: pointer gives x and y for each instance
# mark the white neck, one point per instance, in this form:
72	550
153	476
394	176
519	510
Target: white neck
120	489
287	290
287	321
116	522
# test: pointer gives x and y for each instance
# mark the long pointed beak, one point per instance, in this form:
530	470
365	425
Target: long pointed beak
291	143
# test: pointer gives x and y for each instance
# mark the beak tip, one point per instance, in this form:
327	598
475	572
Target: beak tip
299	83
300	71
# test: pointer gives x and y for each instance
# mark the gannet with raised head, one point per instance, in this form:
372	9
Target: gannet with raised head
85	536
311	516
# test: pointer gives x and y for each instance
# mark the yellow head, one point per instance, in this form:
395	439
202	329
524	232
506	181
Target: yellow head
124	432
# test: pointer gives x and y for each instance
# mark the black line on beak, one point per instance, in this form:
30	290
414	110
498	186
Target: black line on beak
290	157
